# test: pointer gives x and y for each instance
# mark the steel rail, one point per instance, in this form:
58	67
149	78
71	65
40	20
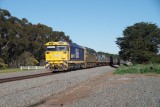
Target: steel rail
10	79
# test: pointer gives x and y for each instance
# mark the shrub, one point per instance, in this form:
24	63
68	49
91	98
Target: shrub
2	64
139	69
25	59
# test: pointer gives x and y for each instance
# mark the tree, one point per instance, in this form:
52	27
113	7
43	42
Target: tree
4	14
18	37
139	42
24	21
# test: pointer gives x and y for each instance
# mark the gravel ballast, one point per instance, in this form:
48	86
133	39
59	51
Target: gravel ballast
110	90
95	87
32	91
123	92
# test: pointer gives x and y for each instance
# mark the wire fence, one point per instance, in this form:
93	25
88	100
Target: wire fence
31	67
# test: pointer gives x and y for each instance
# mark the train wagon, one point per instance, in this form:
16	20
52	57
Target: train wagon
102	59
90	57
64	56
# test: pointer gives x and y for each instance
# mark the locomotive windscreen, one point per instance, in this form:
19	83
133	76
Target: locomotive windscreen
57	48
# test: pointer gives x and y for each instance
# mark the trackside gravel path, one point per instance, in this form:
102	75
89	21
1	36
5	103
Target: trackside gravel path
110	90
34	91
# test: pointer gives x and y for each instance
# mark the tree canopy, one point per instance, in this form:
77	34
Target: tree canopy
140	43
19	36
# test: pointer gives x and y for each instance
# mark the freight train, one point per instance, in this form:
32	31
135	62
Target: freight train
62	56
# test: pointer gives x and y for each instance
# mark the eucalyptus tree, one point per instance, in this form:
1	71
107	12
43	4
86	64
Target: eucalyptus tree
19	36
139	42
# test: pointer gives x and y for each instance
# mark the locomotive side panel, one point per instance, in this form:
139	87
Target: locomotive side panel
76	53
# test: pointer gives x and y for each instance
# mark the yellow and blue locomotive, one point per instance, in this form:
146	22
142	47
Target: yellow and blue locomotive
64	56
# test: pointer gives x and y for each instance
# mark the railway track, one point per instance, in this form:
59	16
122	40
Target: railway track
24	77
10	79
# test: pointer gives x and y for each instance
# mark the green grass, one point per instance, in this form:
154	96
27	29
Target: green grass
139	69
7	70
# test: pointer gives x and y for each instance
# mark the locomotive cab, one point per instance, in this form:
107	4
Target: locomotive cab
57	55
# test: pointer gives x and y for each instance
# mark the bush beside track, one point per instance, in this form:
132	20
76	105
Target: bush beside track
139	69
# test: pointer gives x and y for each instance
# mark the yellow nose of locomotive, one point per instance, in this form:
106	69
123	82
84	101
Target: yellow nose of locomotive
57	55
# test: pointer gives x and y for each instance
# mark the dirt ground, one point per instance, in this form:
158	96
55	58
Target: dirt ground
84	89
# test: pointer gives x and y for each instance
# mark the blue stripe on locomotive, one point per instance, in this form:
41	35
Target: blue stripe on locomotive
76	52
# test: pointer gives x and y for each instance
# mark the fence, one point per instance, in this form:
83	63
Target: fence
32	67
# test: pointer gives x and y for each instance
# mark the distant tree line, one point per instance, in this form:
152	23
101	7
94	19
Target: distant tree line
115	56
140	43
22	43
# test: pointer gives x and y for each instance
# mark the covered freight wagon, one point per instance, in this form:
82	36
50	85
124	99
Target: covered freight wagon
102	59
90	57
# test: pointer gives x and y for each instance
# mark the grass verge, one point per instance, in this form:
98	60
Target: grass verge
138	69
7	70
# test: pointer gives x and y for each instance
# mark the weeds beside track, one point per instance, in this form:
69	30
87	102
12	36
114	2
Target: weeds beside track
139	69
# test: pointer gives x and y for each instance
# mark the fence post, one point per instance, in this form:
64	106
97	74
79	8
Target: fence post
36	67
21	67
28	67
